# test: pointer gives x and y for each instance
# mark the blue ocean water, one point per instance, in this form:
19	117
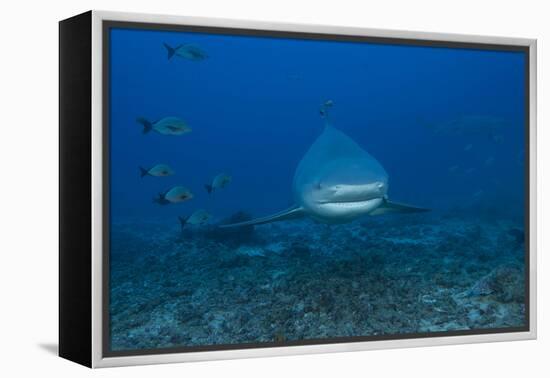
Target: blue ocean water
447	125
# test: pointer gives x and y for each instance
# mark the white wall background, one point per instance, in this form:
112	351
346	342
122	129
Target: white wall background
28	186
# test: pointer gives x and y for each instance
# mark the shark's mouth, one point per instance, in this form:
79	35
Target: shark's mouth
344	211
364	205
350	201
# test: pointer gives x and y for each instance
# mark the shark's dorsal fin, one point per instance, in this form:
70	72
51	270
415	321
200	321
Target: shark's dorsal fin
291	213
394	207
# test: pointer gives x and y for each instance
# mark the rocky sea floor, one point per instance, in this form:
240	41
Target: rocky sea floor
299	280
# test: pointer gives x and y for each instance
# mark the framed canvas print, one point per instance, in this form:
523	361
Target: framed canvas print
237	189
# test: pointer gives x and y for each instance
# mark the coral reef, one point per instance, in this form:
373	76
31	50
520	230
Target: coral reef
300	280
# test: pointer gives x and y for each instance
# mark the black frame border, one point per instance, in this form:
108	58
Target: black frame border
75	189
107	25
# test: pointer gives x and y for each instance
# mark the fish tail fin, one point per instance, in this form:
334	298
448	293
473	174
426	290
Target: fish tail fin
147	125
183	221
171	50
209	188
161	199
143	172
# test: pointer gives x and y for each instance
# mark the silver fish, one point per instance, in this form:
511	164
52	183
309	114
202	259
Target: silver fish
165	126
178	194
199	217
159	170
189	52
219	182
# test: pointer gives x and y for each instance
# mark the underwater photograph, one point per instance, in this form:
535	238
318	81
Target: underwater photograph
269	190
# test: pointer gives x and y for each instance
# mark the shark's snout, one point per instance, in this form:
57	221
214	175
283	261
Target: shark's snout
340	203
342	193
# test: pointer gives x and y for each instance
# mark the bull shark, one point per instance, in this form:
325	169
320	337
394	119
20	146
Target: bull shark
337	182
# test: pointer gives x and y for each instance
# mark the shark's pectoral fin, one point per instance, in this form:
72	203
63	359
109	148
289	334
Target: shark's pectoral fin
291	213
394	207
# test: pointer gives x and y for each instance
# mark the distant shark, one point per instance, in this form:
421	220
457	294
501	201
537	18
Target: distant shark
336	182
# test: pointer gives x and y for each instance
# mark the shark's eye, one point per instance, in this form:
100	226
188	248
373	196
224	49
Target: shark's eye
318	186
